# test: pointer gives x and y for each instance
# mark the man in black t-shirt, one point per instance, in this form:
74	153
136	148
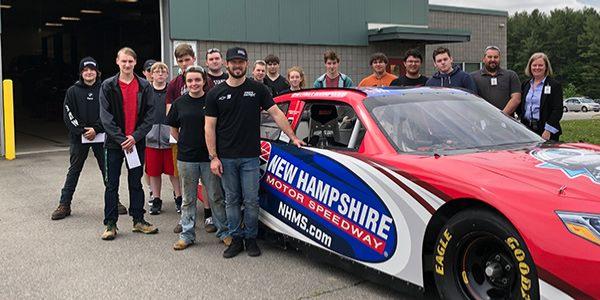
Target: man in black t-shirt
412	63
273	79
214	63
232	127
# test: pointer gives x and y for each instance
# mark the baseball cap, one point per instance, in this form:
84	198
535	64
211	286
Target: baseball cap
88	62
148	64
236	53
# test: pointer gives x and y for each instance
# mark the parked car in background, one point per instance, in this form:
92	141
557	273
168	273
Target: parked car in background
580	104
597	100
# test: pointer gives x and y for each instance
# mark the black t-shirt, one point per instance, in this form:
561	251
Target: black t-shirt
218	79
405	81
279	85
187	114
237	110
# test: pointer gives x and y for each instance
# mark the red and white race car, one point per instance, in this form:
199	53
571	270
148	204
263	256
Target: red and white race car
436	189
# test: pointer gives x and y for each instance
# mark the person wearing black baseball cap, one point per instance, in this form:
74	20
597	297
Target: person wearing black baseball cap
232	129
146	70
81	113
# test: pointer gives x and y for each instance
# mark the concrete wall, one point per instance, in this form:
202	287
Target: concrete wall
486	30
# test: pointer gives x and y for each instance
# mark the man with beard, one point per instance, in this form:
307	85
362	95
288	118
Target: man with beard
380	76
412	63
497	86
232	129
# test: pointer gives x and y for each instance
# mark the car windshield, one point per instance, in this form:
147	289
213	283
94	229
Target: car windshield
587	101
435	124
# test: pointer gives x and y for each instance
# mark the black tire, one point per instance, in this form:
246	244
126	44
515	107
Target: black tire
565	109
480	255
584	109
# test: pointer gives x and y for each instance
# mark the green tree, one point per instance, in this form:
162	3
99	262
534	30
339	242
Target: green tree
589	51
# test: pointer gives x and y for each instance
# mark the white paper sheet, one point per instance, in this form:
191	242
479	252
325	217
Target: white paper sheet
98	139
133	159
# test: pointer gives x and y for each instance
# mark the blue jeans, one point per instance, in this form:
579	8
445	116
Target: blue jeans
241	181
113	161
189	173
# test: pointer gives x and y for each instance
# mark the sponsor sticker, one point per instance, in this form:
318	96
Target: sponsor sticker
572	162
323	200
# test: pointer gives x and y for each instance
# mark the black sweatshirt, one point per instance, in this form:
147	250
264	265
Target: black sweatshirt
81	109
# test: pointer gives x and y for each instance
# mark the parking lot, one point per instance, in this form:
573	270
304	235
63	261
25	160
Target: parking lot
67	259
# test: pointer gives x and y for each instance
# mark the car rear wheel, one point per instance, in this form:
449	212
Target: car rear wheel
479	255
584	109
565	109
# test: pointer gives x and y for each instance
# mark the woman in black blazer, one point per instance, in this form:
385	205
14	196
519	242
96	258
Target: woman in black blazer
541	107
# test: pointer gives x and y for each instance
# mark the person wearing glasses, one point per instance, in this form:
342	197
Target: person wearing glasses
273	79
499	87
380	76
259	72
412	63
541	107
214	63
232	128
186	119
159	155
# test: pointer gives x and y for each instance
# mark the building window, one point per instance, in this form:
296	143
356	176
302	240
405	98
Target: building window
471	67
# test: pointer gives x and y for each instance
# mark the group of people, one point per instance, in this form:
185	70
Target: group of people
203	127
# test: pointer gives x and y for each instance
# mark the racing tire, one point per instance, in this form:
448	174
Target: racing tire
584	109
565	109
479	255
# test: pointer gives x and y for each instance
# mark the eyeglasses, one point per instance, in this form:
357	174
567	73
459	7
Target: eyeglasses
213	50
195	68
492	48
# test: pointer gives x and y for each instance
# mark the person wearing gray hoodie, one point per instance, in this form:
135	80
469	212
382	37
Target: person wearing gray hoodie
449	75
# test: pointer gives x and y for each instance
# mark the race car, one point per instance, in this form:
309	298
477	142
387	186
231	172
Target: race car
436	189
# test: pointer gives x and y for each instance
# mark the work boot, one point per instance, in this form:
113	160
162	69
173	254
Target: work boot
144	227
61	212
181	244
234	249
121	209
252	247
156	206
110	232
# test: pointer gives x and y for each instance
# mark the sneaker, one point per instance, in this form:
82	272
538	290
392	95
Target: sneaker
61	212
181	244
156	206
178	229
209	226
110	232
252	247
227	241
237	246
121	209
144	227
150	199
178	201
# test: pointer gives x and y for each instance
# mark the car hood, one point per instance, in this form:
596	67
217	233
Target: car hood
569	170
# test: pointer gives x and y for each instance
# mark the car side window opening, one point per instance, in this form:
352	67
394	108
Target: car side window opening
330	125
268	128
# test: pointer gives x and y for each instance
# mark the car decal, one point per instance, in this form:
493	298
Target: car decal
572	162
328	203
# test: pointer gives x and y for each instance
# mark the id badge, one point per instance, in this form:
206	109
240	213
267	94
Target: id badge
547	90
494	81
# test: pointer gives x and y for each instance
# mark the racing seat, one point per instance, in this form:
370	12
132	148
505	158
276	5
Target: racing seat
324	126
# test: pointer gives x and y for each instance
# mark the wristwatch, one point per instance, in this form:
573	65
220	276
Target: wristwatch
211	157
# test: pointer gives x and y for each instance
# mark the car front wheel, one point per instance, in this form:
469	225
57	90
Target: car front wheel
584	109
479	255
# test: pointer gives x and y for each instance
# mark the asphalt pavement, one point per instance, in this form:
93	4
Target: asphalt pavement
66	259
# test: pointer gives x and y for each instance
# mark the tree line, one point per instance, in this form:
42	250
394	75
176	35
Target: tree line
570	38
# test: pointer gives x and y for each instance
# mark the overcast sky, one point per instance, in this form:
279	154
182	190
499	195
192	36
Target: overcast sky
520	5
